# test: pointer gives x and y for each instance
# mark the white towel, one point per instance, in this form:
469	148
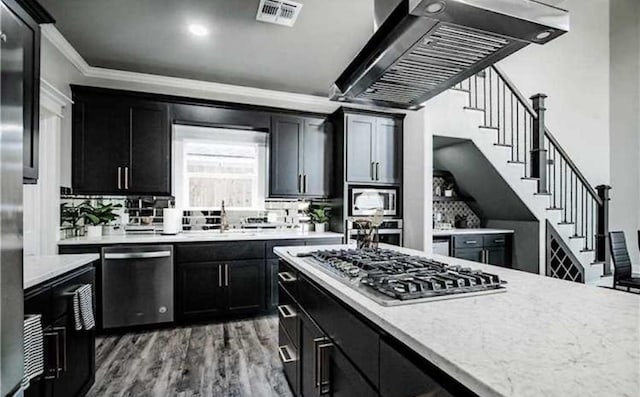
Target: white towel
33	349
83	308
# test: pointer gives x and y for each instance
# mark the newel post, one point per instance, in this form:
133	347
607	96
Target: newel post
538	152
603	253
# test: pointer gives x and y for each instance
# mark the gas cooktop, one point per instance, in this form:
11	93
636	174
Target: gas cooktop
393	278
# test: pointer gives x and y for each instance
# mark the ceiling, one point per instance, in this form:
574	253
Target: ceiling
151	36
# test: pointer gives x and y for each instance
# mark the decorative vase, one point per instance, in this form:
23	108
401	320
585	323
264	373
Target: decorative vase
320	227
94	231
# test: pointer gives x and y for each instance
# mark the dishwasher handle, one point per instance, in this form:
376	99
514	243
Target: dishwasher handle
137	255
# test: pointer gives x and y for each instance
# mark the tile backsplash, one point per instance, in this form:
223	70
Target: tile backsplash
146	214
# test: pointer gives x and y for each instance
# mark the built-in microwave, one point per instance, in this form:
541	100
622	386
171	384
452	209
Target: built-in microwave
364	201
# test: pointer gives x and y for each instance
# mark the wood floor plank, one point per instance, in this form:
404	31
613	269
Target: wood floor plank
233	359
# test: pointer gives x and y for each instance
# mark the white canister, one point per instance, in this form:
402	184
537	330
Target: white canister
171	221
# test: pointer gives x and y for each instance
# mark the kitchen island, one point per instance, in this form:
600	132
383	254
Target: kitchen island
542	337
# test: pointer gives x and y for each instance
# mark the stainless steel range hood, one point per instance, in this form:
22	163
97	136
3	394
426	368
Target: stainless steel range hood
424	47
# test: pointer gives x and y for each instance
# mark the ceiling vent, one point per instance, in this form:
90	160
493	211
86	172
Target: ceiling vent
279	12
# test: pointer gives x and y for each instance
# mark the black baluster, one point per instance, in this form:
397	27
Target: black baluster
490	100
511	130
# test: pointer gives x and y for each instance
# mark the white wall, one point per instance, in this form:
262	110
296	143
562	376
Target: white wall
573	71
418	170
625	121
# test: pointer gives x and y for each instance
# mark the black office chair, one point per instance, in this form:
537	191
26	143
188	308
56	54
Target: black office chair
621	262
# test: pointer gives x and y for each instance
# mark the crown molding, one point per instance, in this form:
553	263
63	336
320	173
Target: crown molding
243	94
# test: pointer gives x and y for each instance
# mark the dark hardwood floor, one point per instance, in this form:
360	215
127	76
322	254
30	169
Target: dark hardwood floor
236	358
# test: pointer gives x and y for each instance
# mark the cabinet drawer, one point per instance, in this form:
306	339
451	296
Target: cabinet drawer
62	302
288	279
281	243
494	240
356	339
227	251
471	241
288	314
324	241
470	254
289	357
38	301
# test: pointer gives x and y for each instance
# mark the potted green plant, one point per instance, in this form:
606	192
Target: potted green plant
97	217
70	216
319	217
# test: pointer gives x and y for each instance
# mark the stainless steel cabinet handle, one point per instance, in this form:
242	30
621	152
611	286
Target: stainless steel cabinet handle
219	276
63	331
138	255
499	241
126	178
471	242
372	170
299	183
320	345
377	171
119	177
286	277
325	380
286	311
54	373
285	355
304	183
226	275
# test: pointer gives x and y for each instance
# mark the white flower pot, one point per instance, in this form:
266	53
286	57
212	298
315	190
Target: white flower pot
94	231
320	227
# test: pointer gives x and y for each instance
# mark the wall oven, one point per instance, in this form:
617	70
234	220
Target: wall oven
363	201
389	232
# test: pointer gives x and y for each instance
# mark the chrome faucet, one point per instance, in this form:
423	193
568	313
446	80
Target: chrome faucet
224	222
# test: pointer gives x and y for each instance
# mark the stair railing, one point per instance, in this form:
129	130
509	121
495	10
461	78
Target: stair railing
520	126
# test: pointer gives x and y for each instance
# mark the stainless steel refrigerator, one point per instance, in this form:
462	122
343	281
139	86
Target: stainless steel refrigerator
11	135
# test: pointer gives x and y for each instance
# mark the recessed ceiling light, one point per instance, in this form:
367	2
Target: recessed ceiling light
198	30
543	35
435	7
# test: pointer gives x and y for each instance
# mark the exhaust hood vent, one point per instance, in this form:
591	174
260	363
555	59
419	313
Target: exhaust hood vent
427	46
279	12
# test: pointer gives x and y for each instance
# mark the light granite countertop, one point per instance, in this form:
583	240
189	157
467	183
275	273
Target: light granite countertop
458	232
543	337
187	237
39	269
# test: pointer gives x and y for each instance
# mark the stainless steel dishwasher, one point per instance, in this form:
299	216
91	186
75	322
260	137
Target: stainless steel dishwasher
137	285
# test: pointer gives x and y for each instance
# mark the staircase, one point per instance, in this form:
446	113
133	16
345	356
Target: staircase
489	110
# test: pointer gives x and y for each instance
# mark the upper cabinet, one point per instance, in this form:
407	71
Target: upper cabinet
20	37
121	145
300	156
373	146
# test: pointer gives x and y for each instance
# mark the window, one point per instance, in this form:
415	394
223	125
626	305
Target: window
215	165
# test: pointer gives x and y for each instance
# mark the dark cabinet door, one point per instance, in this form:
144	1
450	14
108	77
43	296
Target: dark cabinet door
360	163
149	167
310	338
316	158
470	254
344	379
387	148
77	359
400	377
285	176
201	290
272	284
497	256
245	282
100	146
21	39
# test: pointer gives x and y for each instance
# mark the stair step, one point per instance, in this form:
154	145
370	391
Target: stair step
471	108
488	127
576	237
566	223
502	145
460	89
587	250
555	209
530	178
541	194
516	162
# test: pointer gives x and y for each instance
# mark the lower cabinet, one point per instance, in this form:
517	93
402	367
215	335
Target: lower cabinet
493	249
209	289
336	352
69	365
